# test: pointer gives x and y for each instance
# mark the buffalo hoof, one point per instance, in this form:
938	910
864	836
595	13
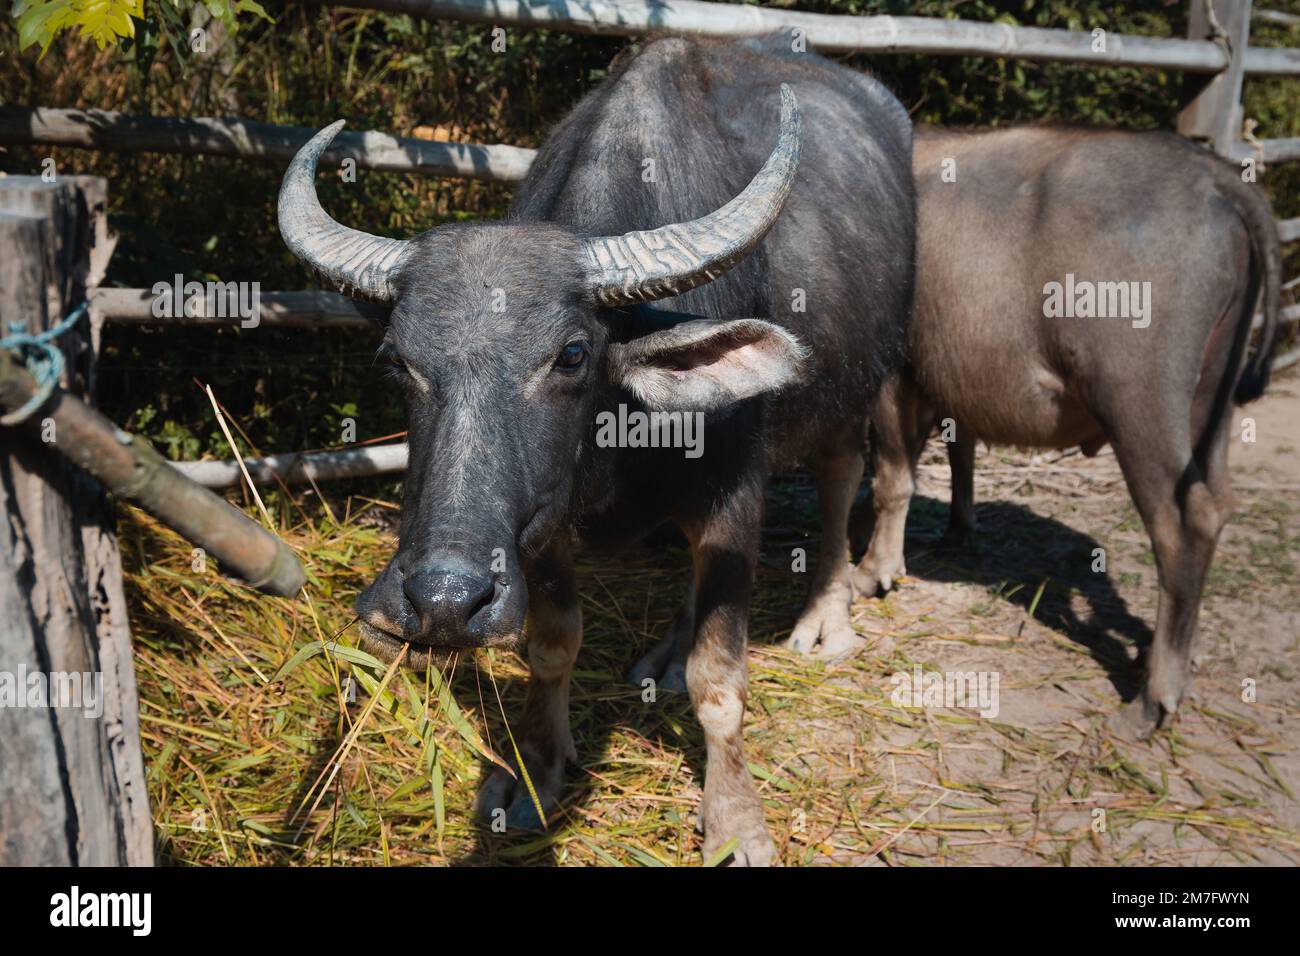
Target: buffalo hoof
824	630
506	806
754	846
663	665
873	576
1137	720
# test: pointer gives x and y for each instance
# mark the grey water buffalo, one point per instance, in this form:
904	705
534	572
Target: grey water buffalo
789	275
1078	288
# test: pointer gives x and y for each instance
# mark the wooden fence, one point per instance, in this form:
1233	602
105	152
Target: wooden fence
1214	115
1215	31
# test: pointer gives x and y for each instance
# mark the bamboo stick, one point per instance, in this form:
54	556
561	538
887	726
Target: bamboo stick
300	467
844	34
132	470
1268	151
309	308
207	136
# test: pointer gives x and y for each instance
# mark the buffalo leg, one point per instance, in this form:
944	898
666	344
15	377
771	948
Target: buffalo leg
900	424
824	628
665	663
726	551
1184	505
554	630
961	465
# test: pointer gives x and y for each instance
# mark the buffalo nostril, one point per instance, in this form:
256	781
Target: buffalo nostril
447	599
486	599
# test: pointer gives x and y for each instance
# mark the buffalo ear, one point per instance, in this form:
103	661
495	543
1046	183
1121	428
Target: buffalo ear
705	366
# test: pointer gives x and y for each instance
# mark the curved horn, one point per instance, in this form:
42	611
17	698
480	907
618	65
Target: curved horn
657	263
354	262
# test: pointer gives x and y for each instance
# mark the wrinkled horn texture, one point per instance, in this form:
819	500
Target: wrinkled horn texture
657	263
353	262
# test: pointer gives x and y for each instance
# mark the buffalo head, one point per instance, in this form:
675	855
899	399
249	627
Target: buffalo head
499	337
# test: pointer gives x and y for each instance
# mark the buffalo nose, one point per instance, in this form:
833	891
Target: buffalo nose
450	597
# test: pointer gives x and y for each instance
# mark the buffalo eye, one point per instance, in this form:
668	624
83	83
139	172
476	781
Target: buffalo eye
392	363
572	357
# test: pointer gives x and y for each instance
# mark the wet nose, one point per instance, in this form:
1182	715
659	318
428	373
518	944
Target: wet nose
453	600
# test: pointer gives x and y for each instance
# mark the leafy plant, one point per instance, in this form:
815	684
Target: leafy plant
106	21
40	21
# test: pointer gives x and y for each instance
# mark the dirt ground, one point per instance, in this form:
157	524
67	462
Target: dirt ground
1027	785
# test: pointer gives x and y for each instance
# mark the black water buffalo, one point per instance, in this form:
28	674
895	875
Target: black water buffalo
1077	288
516	341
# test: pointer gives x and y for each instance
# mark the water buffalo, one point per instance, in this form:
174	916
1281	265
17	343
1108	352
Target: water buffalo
515	341
1076	288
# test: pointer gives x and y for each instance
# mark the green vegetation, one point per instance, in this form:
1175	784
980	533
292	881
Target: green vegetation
107	21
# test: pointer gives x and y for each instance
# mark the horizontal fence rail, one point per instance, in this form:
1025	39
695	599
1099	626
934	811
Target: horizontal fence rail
1285	316
310	308
101	129
1277	16
129	467
203	136
507	164
1268	150
299	467
838	33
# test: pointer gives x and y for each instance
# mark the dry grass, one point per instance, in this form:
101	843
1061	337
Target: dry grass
237	758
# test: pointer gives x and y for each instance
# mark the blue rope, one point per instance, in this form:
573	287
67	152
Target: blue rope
42	359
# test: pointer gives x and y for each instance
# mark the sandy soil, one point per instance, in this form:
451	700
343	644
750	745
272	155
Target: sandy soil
1043	781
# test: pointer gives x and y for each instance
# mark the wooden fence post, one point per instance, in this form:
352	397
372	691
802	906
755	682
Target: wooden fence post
72	785
1215	111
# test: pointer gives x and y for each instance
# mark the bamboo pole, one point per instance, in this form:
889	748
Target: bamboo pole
1285	316
1278	17
299	467
315	308
1268	150
132	470
206	136
309	308
277	143
843	34
1286	360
